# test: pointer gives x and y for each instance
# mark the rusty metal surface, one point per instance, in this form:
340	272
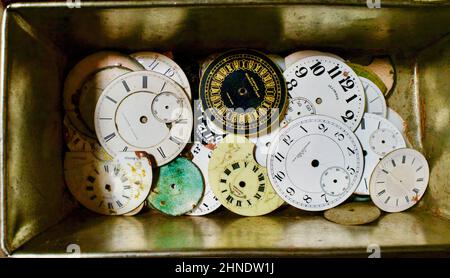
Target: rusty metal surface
38	50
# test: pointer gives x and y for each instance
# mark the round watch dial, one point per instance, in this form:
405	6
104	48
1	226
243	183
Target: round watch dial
310	159
399	180
243	91
238	181
377	136
178	188
209	202
160	63
81	73
109	187
125	118
330	85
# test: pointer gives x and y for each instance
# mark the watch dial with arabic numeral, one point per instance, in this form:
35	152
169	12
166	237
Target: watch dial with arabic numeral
330	85
399	180
160	63
205	131
377	136
108	187
209	202
144	111
315	163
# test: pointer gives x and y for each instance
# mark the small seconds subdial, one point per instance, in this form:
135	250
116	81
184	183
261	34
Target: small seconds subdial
399	180
167	107
334	181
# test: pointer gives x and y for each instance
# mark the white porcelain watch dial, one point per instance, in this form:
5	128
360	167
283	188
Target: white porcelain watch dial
377	136
310	161
330	85
160	63
109	187
80	73
375	102
125	118
399	180
209	202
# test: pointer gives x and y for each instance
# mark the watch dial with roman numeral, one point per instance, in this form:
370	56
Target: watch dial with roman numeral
238	181
315	163
144	111
399	180
243	91
377	136
108	187
160	63
330	85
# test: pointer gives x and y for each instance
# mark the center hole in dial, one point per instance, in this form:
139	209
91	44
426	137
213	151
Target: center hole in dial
242	91
242	183
108	187
335	180
173	186
143	119
382	141
318	100
315	163
167	107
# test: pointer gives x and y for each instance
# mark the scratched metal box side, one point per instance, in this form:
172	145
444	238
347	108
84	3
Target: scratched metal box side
33	192
432	89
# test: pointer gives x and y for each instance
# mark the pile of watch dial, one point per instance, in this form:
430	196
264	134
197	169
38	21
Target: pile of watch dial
310	130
